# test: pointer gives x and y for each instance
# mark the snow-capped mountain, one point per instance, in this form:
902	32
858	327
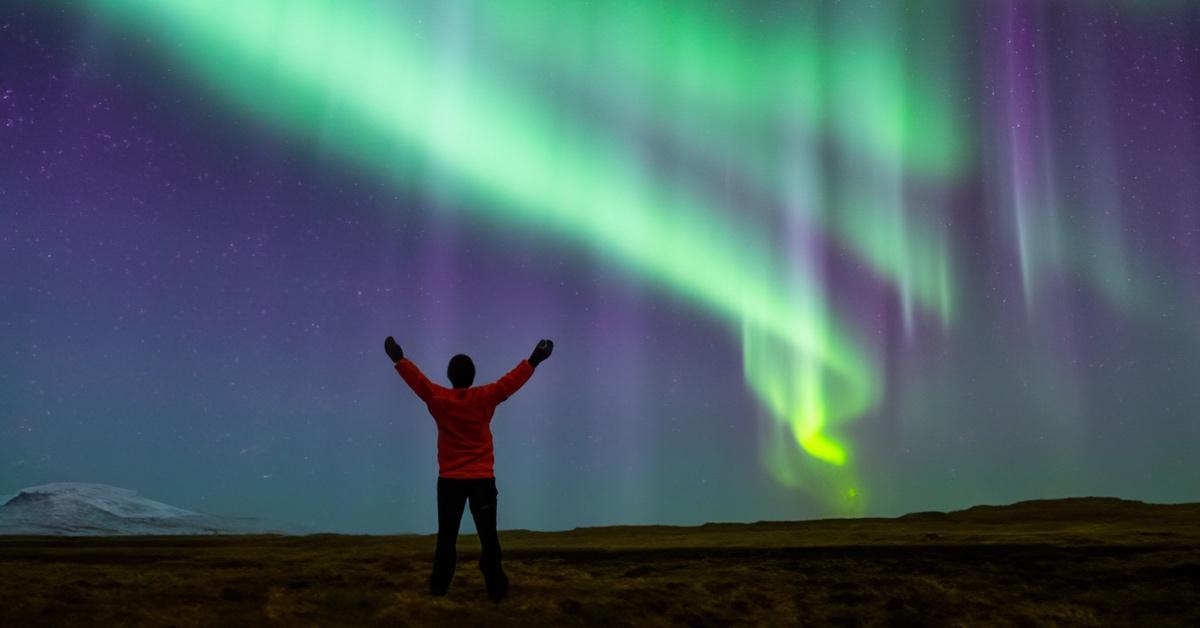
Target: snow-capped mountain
80	508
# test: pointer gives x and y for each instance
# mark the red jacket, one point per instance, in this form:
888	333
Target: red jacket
463	417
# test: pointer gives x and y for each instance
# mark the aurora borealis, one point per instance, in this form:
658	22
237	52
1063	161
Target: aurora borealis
798	259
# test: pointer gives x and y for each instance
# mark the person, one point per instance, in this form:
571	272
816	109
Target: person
465	460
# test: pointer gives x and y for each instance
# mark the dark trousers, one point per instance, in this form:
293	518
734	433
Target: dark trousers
452	494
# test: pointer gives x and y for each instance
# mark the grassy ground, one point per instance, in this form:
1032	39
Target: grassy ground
1055	564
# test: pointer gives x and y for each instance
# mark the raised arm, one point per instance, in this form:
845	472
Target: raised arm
412	375
504	387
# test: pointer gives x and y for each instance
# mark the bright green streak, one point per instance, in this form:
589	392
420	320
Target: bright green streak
745	77
382	93
721	90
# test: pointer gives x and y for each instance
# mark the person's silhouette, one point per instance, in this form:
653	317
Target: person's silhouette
465	460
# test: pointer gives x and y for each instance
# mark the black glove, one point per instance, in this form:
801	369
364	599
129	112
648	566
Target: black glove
393	350
541	351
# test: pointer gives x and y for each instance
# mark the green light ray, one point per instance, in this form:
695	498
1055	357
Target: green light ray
854	84
743	77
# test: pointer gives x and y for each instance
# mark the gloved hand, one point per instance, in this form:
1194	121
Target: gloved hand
541	351
393	350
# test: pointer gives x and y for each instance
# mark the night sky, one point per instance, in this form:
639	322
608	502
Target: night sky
798	259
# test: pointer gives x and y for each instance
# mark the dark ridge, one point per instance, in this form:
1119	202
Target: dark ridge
1074	509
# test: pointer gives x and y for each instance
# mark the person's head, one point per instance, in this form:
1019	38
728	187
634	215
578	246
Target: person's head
461	371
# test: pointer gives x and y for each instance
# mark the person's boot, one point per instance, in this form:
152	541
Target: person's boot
439	584
497	583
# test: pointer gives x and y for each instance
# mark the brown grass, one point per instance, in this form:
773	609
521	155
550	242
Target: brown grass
924	570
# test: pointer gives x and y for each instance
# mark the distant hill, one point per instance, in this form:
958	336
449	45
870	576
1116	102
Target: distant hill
1068	509
80	508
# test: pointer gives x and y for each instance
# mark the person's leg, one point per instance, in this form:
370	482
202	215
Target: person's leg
451	497
483	509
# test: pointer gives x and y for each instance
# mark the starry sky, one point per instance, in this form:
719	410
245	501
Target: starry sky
798	259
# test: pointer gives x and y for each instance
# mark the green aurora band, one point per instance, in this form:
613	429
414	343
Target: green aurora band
398	99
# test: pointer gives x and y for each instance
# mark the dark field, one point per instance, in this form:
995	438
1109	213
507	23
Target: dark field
1069	562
